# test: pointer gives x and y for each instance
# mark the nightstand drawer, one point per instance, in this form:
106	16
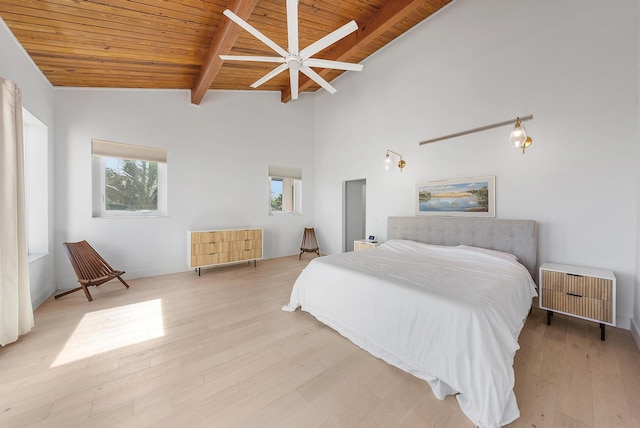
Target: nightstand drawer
575	304
585	286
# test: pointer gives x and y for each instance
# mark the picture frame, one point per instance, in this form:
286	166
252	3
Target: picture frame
464	197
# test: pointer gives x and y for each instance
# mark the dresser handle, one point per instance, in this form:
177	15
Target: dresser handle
211	254
574	295
574	274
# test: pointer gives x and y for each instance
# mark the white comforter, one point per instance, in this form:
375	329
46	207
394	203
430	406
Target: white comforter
449	315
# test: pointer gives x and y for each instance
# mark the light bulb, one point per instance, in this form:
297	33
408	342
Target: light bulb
518	135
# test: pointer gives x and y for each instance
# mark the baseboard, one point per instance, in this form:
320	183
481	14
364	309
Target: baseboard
41	299
635	332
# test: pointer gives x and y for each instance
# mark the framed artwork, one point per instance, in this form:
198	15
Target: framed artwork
469	197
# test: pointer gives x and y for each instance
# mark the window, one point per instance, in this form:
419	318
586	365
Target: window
128	180
36	155
285	190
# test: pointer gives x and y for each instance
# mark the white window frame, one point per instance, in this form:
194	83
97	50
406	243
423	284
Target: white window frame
100	151
36	177
294	177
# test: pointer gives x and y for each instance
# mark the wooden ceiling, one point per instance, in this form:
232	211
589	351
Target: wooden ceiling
174	44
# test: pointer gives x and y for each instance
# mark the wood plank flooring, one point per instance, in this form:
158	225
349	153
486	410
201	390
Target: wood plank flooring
216	351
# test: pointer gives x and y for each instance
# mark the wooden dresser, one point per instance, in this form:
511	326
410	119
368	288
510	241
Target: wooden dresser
216	247
578	291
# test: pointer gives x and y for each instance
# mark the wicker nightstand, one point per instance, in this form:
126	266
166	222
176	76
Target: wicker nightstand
585	293
364	244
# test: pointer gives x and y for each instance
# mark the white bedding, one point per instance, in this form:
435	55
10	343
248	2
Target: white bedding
448	315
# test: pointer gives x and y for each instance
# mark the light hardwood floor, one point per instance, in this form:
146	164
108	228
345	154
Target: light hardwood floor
215	351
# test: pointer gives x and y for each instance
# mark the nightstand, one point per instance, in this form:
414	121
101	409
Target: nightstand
364	244
581	292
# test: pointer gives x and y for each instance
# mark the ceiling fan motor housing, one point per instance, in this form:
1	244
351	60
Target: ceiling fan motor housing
294	61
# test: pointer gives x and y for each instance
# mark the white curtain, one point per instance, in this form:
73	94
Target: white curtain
16	312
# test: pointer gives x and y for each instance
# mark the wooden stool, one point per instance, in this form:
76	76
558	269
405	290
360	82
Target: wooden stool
309	242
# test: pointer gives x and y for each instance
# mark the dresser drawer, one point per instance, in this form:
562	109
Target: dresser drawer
215	236
205	259
225	246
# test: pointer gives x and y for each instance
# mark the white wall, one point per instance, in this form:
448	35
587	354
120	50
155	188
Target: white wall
218	158
573	64
37	98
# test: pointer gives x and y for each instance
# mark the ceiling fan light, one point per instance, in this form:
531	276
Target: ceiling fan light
294	62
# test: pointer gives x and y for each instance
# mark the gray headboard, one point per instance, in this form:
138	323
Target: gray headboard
518	237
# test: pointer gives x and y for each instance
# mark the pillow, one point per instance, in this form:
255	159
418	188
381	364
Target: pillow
495	253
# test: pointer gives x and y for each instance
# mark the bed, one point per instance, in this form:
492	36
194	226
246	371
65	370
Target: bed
444	299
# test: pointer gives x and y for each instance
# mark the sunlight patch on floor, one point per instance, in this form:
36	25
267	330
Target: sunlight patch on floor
102	331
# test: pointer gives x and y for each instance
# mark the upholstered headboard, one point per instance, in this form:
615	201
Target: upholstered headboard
518	237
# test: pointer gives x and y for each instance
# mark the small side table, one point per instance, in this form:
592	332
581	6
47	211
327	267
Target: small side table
364	244
581	292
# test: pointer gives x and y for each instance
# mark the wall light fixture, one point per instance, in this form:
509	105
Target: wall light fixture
517	139
387	160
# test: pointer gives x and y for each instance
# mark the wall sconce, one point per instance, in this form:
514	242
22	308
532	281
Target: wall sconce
517	139
387	160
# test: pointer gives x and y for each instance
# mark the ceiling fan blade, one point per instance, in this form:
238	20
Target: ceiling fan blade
329	39
273	73
318	79
293	80
257	34
252	58
292	26
337	65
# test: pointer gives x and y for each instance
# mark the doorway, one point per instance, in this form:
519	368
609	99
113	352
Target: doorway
355	212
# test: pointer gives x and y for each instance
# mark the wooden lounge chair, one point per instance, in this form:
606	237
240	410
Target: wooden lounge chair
91	269
309	242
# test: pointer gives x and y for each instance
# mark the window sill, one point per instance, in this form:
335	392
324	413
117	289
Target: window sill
280	213
131	216
34	257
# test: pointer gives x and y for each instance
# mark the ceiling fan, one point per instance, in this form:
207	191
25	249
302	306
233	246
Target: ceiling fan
294	59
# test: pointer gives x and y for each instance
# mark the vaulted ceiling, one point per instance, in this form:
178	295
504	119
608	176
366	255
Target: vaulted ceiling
175	44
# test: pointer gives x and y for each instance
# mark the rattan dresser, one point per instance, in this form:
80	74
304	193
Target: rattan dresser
223	246
582	292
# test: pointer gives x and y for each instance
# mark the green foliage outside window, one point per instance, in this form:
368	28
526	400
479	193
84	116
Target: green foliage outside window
276	202
131	185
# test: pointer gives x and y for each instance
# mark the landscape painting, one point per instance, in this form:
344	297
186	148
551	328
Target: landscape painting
458	197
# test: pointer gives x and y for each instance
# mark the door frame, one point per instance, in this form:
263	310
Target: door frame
361	207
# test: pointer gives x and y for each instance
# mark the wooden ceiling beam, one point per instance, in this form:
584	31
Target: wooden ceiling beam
392	12
221	44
